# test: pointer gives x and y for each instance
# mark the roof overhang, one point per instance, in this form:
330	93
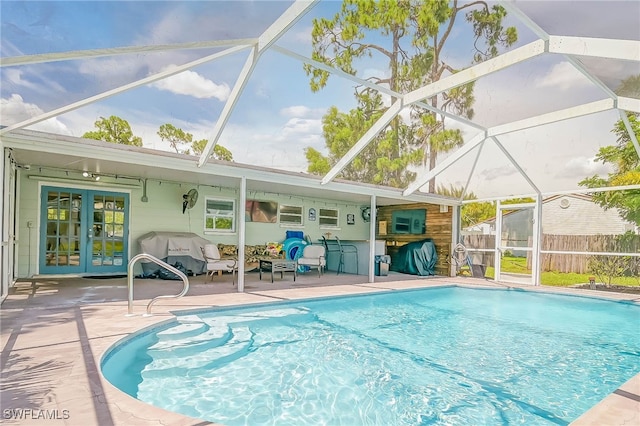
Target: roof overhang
122	162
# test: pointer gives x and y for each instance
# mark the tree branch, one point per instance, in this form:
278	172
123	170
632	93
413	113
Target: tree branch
475	3
445	35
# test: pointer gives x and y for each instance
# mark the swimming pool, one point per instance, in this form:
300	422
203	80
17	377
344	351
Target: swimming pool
437	356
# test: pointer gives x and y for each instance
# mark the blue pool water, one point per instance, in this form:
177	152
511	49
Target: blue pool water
443	356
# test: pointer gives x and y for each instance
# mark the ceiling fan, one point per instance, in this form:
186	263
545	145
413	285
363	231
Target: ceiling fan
189	199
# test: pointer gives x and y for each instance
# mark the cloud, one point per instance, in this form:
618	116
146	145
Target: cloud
15	110
367	73
300	111
190	83
303	35
498	172
583	166
300	126
262	92
563	76
16	77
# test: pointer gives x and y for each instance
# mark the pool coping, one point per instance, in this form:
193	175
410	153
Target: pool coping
62	346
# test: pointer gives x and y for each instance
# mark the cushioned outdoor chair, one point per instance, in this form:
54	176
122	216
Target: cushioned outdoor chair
215	263
314	256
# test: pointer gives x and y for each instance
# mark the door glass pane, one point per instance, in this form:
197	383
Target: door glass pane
75	233
96	253
75	207
74	258
108	253
108	230
118	218
62	239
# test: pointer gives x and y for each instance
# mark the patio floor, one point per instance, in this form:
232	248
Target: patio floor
55	331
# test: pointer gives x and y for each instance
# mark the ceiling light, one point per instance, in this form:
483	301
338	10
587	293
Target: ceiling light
86	174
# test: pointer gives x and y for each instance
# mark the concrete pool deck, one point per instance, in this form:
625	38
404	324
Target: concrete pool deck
55	331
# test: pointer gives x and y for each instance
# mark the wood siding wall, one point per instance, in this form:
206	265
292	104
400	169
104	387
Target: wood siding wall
439	229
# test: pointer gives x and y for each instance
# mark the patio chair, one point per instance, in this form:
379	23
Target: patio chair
314	256
346	249
215	263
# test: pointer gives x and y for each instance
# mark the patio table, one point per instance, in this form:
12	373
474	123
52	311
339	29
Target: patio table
278	265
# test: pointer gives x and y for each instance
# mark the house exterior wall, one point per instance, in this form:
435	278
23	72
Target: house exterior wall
163	212
581	217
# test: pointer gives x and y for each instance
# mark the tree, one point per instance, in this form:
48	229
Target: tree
626	171
219	152
178	137
175	137
630	87
417	32
470	213
115	130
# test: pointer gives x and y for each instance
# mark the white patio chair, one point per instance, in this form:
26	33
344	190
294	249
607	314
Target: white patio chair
313	255
215	263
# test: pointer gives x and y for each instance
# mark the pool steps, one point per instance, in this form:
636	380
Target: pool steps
217	340
178	366
182	331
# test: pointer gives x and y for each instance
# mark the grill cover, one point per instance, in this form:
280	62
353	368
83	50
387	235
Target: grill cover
172	247
416	258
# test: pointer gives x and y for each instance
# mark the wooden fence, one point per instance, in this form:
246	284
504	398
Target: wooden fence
577	262
557	262
480	242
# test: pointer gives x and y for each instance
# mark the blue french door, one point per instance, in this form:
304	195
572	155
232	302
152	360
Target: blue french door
83	231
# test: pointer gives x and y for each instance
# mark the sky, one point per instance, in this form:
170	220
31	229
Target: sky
277	115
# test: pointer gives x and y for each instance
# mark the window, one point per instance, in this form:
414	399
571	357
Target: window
328	218
290	215
219	215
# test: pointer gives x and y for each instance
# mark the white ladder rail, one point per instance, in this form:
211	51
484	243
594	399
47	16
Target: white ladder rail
130	277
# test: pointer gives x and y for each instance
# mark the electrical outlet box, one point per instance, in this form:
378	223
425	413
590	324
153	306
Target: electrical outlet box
30	224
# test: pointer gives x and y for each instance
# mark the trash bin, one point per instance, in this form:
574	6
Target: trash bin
382	264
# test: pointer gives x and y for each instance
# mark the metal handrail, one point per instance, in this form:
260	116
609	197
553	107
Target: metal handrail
163	264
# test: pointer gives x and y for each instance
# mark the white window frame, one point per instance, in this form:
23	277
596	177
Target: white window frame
291	224
325	217
214	215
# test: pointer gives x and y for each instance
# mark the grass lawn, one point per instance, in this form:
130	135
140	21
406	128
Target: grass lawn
518	265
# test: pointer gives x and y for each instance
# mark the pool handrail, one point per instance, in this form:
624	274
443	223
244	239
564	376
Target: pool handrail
130	277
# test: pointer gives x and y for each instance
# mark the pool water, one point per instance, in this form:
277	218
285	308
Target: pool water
442	356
